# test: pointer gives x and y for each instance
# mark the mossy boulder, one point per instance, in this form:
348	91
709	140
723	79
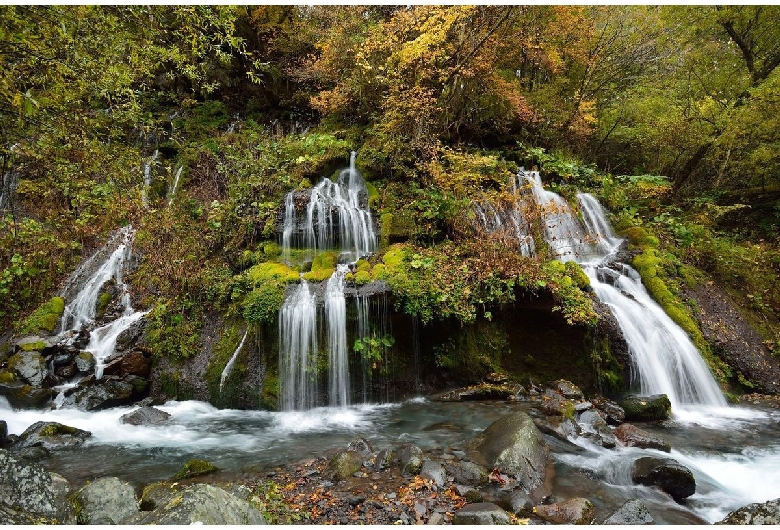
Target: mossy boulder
51	436
24	396
30	366
195	468
44	318
200	504
647	408
32	343
343	465
757	513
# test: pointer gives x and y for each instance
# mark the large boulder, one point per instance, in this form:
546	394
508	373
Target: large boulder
106	500
571	511
343	465
50	436
647	408
23	396
553	404
757	513
667	474
632	436
480	513
202	504
135	363
85	362
104	394
467	473
631	513
145	416
515	446
31	366
29	488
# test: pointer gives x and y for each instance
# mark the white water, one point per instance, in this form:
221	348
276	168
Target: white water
229	366
81	310
336	316
334	216
298	349
500	220
148	164
102	340
172	193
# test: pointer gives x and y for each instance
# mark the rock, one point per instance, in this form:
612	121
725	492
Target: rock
384	459
496	378
130	336
631	513
145	416
106	500
26	486
558	426
520	503
667	474
632	436
85	362
515	446
583	406
31	366
757	513
568	389
553	404
66	372
24	396
157	495
433	471
436	518
571	511
135	363
410	458
362	446
486	392
647	408
203	504
467	473
195	468
481	513
32	342
104	394
3	432
343	465
63	359
596	427
51	436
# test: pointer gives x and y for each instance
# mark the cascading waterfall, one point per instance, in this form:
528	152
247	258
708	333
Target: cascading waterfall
336	316
229	366
494	219
298	349
172	193
665	361
102	340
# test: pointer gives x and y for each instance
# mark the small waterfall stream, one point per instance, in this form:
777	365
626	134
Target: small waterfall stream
336	316
229	366
172	192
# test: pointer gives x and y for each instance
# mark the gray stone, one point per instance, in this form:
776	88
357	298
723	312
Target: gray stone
85	362
31	366
520	503
667	474
593	423
104	394
202	504
631	513
558	426
568	389
632	436
26	486
433	471
344	464
757	513
33	342
50	436
436	518
145	416
106	500
383	460
572	511
647	408
481	513
467	473
614	413
24	396
362	446
515	446
3	432
410	458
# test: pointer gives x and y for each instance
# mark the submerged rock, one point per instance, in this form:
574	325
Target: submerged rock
647	408
515	446
667	474
145	416
757	513
106	500
50	436
631	513
195	468
572	511
632	436
481	513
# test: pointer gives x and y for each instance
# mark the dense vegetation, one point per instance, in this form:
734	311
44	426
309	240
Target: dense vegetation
442	105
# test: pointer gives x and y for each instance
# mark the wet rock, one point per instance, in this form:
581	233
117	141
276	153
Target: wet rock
467	473
433	471
26	486
104	394
23	396
63	359
568	389
583	406
559	427
572	511
553	404
32	342
85	362
130	336
410	457
481	513
515	446
145	416
50	436
343	465
195	468
3	432
614	413
520	503
496	378
66	371
631	513
362	446
632	436
757	513
597	429
647	408
106	500
31	367
667	474
135	363
384	460
202	504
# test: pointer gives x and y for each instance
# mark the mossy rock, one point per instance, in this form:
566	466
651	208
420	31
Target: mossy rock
575	272
44	318
272	250
195	468
102	304
647	408
264	272
362	277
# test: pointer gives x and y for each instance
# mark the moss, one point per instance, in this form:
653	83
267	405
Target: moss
639	237
269	398
322	267
363	265
272	250
362	277
575	272
319	275
44	318
264	272
378	272
7	376
37	345
194	468
394	258
55	429
373	194
102	304
220	356
385	229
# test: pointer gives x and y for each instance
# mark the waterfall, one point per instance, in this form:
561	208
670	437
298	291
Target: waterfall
335	217
102	340
10	182
81	310
336	316
298	349
172	193
148	177
493	219
363	315
231	362
664	359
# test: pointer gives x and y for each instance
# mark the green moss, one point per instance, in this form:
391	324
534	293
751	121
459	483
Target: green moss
394	258
33	346
264	272
322	267
102	304
640	237
385	229
262	304
373	194
363	265
272	250
44	318
7	376
362	277
269	398
575	272
55	429
378	272
194	468
222	352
